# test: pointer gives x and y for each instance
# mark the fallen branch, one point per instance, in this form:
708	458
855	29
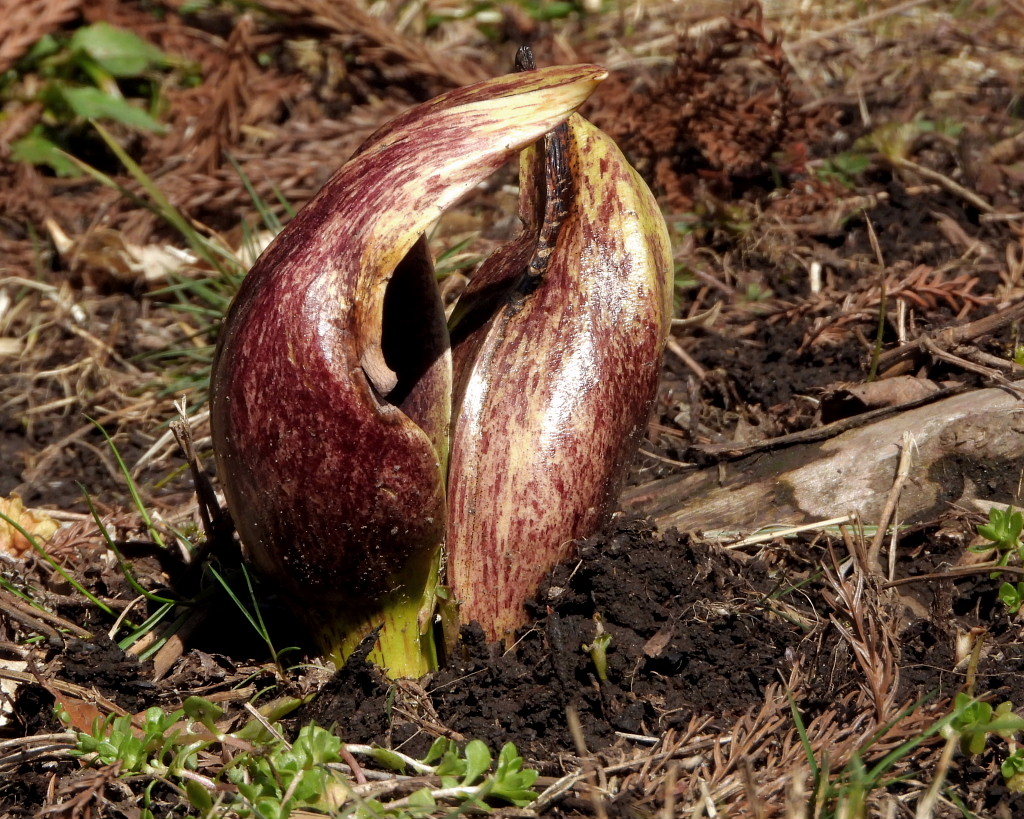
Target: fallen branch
958	440
732	452
953	335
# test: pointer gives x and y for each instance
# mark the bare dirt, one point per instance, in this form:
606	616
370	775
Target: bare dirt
644	588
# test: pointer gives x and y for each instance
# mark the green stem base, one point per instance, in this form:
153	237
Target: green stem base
405	644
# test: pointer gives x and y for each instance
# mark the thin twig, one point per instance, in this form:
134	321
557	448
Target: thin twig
902	473
732	452
266	723
941	179
964	571
764	537
956	335
926	805
590	768
856	23
676	349
668	810
993	375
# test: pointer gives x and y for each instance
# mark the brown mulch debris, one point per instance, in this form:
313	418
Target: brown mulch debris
719	116
23	24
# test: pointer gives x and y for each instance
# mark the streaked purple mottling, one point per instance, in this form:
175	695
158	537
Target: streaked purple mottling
332	486
560	390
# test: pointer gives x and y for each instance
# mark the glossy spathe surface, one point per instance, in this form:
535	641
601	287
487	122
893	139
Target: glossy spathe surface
330	397
554	390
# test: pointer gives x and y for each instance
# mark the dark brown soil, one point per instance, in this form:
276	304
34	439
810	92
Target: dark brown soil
771	367
100	664
957	606
696	633
690	637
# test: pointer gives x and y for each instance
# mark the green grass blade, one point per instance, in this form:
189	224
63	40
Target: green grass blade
270	220
145	626
133	488
256	622
122	562
805	740
199	243
897	754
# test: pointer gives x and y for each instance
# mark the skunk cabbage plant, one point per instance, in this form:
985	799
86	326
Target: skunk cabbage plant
376	462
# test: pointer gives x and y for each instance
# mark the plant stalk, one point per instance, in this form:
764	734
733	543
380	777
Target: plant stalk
402	618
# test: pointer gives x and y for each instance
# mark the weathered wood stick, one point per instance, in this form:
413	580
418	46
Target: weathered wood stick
969	446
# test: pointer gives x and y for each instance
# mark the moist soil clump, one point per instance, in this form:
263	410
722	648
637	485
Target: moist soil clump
688	637
102	665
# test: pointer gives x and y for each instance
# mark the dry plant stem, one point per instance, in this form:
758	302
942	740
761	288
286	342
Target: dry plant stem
174	647
15	650
992	375
262	720
693	742
883	305
858	22
750	786
963	571
15	753
677	350
926	805
955	335
591	769
775	534
987	359
38	619
668	809
902	473
43	459
866	632
17	614
944	181
730	452
89	695
216	527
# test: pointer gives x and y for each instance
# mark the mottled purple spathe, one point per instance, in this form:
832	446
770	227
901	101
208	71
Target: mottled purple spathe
330	392
554	389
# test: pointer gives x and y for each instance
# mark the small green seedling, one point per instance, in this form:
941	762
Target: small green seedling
509	783
1012	596
976	720
253	772
284	779
204	712
598	649
161	746
896	140
1013	771
844	168
1003	533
